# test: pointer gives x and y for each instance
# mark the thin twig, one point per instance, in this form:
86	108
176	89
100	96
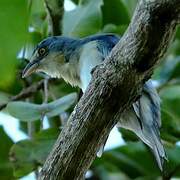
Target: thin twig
29	91
45	85
46	80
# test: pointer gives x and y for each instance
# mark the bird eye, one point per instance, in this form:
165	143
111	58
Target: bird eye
41	51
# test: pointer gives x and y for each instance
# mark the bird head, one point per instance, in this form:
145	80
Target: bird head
51	56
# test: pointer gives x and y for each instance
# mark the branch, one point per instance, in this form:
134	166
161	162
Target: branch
115	85
29	91
55	9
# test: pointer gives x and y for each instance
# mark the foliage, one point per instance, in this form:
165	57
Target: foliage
22	27
27	155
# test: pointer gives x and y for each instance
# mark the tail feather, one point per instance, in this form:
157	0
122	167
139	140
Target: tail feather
144	120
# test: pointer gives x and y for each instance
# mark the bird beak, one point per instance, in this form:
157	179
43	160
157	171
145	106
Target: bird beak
30	68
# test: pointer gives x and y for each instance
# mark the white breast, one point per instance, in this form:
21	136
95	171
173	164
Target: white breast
90	57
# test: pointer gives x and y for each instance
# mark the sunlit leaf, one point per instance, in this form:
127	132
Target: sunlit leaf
25	111
60	105
13	18
86	19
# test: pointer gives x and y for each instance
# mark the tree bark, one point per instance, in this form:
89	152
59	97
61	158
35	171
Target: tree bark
115	85
55	9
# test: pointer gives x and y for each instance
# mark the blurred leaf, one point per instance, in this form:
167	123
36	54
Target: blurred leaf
84	20
25	111
170	92
135	161
115	12
27	155
174	49
38	20
128	159
4	97
130	4
60	105
128	135
75	1
35	37
169	70
176	71
171	100
170	130
6	172
103	174
178	32
112	28
13	18
37	15
117	176
173	165
61	88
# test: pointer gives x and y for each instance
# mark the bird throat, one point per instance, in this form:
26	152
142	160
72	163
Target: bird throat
70	74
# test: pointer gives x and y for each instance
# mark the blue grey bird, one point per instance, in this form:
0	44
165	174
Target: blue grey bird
73	60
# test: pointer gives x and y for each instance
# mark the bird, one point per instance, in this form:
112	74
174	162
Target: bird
73	60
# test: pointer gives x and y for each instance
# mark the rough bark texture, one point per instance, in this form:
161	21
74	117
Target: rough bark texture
55	9
115	85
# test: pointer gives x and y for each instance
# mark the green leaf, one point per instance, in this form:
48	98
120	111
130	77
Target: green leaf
130	4
128	135
173	163
170	130
84	20
112	28
6	171
171	100
25	111
128	159
176	71
115	12
56	107
4	97
27	155
178	32
135	161
75	1
169	70
13	18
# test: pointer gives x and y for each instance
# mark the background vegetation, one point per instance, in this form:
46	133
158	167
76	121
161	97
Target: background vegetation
31	100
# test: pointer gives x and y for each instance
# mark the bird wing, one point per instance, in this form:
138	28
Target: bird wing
93	52
143	118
